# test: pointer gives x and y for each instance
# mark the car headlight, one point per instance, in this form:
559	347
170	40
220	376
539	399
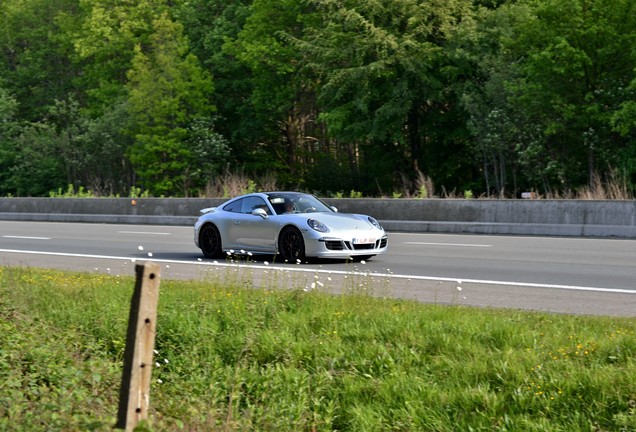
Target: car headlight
374	222
317	225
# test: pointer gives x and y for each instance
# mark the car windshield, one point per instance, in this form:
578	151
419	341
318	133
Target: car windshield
286	203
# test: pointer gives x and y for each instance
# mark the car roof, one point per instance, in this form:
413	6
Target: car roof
285	194
271	194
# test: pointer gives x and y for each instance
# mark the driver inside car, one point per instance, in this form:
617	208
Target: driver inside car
289	207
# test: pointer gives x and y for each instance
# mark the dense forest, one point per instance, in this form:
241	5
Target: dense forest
381	97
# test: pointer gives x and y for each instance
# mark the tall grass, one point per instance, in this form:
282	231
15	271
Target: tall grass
234	183
232	358
613	187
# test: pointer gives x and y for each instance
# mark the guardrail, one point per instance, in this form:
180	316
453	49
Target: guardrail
519	217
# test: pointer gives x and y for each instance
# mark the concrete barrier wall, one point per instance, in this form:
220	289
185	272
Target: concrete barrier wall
523	217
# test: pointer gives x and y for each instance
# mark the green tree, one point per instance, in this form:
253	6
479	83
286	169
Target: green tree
209	25
8	132
64	61
548	78
104	40
37	168
496	125
168	93
281	95
385	82
624	122
92	150
575	72
624	119
35	54
66	148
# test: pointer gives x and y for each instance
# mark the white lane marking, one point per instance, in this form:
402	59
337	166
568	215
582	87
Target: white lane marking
340	272
26	237
449	244
142	232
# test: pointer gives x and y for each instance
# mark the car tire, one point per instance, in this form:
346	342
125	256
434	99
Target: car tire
210	241
291	245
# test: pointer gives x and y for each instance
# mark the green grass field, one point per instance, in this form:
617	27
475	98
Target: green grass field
236	359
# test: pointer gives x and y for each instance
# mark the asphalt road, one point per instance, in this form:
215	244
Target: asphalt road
565	275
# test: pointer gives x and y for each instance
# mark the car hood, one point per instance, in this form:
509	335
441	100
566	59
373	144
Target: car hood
344	221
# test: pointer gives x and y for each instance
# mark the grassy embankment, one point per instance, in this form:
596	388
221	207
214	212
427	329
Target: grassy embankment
230	358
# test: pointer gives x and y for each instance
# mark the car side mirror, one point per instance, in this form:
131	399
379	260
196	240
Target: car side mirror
260	212
334	209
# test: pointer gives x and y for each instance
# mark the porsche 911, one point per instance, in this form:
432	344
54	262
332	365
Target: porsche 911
293	225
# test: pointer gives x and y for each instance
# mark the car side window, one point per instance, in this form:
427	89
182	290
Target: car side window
234	206
252	203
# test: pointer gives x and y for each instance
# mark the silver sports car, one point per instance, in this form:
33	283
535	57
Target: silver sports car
293	225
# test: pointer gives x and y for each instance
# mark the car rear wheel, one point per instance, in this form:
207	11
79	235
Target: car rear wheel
291	245
210	241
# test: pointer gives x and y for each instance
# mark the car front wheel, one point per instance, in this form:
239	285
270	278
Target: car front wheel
291	245
210	241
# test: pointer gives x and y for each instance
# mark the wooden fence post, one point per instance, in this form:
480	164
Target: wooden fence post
134	395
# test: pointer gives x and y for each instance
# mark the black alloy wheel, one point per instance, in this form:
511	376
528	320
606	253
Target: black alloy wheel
291	245
210	241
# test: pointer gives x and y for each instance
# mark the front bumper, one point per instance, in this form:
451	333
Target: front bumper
333	247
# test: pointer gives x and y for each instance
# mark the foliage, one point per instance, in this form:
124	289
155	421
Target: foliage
104	34
37	156
72	193
282	96
492	96
168	94
385	80
66	380
556	74
266	359
8	150
34	56
576	70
